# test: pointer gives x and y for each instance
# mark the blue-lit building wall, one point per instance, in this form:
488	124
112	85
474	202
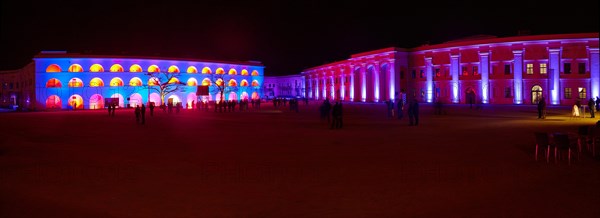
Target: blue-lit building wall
87	92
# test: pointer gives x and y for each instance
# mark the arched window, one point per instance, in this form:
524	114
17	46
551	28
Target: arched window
255	83
96	68
75	82
254	73
206	82
232	82
206	70
75	68
135	81
536	94
173	69
192	82
244	83
192	69
153	69
219	82
96	82
244	72
135	68
220	71
116	68
53	83
53	68
76	101
153	81
232	72
53	102
116	82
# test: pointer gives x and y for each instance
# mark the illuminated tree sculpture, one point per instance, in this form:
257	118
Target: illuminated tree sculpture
164	83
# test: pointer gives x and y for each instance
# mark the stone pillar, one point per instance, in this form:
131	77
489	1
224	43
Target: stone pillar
518	76
454	70
484	66
352	75
429	76
363	84
376	82
332	86
342	85
554	74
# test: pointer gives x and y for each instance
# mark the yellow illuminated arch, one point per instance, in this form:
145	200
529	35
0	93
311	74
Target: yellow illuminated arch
116	82
206	82
75	68
255	83
219	82
244	83
206	70
117	68
53	68
220	71
53	83
96	68
173	69
192	82
153	81
255	96
135	68
232	72
135	81
192	69
232	82
96	82
153	69
254	73
75	82
173	80
244	72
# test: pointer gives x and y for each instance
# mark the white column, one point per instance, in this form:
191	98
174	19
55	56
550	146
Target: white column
454	70
429	75
352	75
363	84
392	80
554	73
342	86
518	76
324	88
317	86
332	87
484	66
376	82
594	73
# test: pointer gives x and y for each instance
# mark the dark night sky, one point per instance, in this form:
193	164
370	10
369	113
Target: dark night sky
286	36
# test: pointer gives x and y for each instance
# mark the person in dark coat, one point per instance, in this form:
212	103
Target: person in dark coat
137	114
592	106
540	107
143	112
151	109
413	113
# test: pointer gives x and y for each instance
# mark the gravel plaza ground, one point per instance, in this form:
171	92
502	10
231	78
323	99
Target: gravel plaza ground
278	163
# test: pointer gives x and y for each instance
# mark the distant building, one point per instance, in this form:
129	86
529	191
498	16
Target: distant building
284	86
511	70
59	80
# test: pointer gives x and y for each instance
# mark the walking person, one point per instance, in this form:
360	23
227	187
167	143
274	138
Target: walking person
540	107
151	109
143	111
592	106
334	114
400	108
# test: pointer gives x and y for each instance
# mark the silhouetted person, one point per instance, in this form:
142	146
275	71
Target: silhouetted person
400	108
109	107
151	109
413	113
540	107
137	114
143	111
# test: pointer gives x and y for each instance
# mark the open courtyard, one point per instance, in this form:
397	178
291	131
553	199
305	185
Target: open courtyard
279	163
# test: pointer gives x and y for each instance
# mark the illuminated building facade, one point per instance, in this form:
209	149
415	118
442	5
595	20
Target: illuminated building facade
58	80
284	86
513	70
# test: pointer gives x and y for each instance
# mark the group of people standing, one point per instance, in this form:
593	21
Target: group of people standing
412	111
336	113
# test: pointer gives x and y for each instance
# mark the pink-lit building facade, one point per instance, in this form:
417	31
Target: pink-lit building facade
60	80
512	70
